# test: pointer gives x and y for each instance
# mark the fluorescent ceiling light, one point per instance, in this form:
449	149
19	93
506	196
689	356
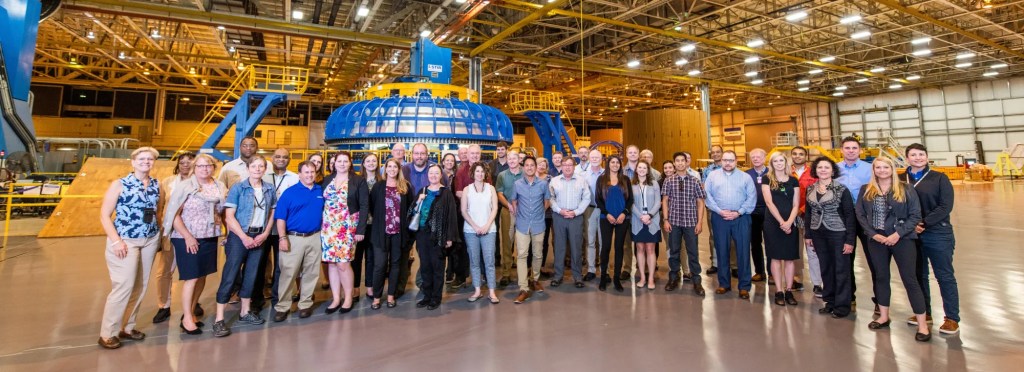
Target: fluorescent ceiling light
803	89
850	19
363	11
921	40
682	61
815	71
425	33
154	34
796	16
827	59
837	94
688	47
298	14
896	86
999	65
922	52
914	77
632	64
460	1
860	34
990	73
752	59
221	28
862	80
750	74
757	82
91	35
121	55
877	69
841	88
962	65
965	55
755	43
693	72
803	82
678	28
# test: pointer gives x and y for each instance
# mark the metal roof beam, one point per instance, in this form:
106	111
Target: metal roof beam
949	26
544	10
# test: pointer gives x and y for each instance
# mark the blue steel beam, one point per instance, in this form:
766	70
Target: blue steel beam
243	120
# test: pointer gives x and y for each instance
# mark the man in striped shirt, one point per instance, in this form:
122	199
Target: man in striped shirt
570	197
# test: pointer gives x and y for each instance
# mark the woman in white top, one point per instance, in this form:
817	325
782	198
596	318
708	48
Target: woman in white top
479	208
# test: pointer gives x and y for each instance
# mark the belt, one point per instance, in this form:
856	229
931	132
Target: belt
303	235
254	230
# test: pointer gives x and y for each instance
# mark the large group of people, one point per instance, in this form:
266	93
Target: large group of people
487	222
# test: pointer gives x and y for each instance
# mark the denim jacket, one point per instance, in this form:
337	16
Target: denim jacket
241	198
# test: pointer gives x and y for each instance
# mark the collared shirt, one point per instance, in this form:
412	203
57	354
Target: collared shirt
496	168
591	176
232	172
694	174
682	193
572	194
757	177
529	198
251	209
129	212
854	176
506	181
799	172
915	176
281	182
301	208
630	172
418	178
710	168
733	191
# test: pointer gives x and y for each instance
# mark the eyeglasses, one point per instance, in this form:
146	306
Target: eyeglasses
729	160
204	166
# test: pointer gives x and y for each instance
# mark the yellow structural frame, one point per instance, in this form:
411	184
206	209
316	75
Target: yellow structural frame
278	79
535	100
413	89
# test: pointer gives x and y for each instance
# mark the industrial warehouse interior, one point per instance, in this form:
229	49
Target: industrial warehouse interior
927	96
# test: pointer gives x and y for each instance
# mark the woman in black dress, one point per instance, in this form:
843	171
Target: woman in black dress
782	242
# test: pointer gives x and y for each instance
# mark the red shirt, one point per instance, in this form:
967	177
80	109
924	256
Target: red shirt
805	180
463	178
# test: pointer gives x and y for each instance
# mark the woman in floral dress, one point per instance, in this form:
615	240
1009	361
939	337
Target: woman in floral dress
346	207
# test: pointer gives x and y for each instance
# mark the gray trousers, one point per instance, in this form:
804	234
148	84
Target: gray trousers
568	231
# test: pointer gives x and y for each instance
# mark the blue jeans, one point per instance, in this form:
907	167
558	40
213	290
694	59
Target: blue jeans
238	259
481	247
936	245
737	230
676	238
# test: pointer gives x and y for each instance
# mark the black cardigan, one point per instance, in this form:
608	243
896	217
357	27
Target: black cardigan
935	193
442	220
360	199
901	218
378	208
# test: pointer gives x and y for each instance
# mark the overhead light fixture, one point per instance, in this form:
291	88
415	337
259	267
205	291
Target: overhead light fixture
425	33
750	74
922	52
241	66
91	35
682	61
527	81
633	63
921	40
965	55
803	89
231	49
914	77
990	73
796	16
192	70
752	59
896	86
693	72
221	28
803	82
841	88
688	47
298	15
837	94
121	55
963	65
364	11
860	34
827	59
154	33
850	19
73	61
204	82
815	71
999	65
877	69
678	28
146	72
862	80
460	1
185	99
755	43
757	81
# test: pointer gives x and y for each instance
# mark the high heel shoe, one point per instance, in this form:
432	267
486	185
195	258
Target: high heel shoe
198	323
346	310
780	299
197	331
333	310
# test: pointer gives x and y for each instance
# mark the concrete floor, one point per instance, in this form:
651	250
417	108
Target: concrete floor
53	292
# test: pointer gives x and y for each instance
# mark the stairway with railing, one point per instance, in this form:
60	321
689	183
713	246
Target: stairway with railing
545	111
890	147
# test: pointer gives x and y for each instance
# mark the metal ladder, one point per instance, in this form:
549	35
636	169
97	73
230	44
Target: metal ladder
232	94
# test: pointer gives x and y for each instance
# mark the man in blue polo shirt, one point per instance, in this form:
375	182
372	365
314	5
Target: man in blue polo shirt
299	214
854	174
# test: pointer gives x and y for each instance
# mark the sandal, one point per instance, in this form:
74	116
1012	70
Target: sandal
650	285
474	298
640	284
495	300
375	305
392	304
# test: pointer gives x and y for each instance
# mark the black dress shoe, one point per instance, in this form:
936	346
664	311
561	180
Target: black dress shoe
698	289
344	310
331	310
790	300
604	283
589	277
433	305
798	286
280	316
825	310
306	313
923	337
422	304
711	270
555	283
197	331
162	315
618	285
579	284
780	299
836	315
672	285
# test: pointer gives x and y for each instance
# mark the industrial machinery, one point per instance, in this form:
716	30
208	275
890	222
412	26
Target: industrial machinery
422	107
19	21
1011	161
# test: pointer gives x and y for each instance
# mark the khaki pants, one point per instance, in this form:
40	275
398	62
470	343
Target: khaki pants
507	229
163	271
524	242
303	257
628	251
128	278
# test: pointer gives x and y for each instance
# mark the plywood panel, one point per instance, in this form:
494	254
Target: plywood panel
598	135
667	131
79	216
760	136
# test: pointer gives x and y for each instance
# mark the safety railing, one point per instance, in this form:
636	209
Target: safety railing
277	79
35	195
535	100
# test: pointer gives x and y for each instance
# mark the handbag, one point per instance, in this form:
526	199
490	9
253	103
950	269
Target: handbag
414	214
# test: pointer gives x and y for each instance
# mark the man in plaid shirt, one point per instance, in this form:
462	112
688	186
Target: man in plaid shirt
683	200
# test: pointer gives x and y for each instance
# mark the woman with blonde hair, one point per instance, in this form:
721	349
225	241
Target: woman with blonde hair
782	240
888	212
128	217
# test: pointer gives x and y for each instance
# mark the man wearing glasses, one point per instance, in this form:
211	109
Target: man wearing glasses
731	197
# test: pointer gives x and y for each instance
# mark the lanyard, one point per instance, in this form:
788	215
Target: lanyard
643	192
919	179
260	203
